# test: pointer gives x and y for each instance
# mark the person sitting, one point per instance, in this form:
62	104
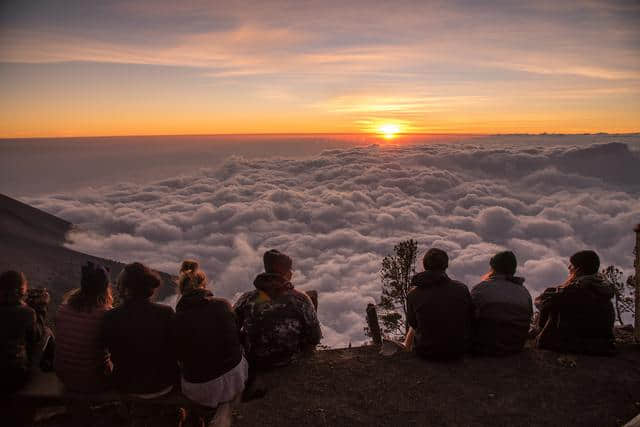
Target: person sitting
21	332
502	307
439	310
137	333
278	322
207	343
82	362
578	316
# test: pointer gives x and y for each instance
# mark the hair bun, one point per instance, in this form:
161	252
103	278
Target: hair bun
189	265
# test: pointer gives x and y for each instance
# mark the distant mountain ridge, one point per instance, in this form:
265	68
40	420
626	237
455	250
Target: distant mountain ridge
32	241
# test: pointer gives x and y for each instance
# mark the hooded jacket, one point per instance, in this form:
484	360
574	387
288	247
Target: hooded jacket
578	317
205	336
439	309
278	321
502	315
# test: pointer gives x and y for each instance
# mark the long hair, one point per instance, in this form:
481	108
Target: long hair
84	300
13	287
191	277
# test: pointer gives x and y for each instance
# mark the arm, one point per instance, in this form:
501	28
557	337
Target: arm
313	334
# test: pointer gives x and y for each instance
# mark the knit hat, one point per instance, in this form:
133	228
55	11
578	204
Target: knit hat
276	262
587	262
95	277
504	263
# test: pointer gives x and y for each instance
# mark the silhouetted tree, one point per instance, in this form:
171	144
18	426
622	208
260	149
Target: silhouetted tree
624	291
396	273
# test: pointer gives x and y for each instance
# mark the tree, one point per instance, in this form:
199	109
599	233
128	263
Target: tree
623	291
396	273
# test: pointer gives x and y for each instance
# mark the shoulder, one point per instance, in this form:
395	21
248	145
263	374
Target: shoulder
299	296
459	285
479	287
221	303
162	309
245	298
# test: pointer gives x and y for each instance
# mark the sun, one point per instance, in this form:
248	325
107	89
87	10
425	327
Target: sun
389	130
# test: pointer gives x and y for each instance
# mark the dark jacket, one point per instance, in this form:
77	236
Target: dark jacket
278	321
503	310
578	317
138	336
440	311
20	334
206	336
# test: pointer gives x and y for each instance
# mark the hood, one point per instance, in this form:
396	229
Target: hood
513	279
271	284
596	284
430	278
194	298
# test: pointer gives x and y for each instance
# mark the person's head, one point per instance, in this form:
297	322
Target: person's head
278	263
504	263
436	260
584	263
13	288
138	281
191	277
95	290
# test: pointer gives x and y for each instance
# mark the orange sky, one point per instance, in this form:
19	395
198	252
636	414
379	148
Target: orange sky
139	68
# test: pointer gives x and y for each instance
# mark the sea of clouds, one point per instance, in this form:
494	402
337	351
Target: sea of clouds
339	212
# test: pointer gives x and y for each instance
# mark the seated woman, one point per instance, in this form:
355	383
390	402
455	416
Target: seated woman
207	342
502	309
578	315
20	332
82	362
137	334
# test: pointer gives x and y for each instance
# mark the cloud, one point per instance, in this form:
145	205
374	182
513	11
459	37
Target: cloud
339	212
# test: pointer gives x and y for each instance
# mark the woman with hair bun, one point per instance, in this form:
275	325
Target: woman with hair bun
137	334
207	344
82	362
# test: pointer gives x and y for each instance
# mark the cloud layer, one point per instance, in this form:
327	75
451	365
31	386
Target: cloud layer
338	213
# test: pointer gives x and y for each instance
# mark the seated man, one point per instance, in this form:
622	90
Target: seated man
578	315
439	310
502	309
278	321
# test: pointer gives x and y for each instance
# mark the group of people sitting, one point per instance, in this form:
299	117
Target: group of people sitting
211	350
495	318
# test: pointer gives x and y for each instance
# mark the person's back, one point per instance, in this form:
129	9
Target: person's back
279	321
439	310
503	309
20	332
579	315
81	360
137	333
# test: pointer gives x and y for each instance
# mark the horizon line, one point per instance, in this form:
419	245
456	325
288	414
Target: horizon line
373	134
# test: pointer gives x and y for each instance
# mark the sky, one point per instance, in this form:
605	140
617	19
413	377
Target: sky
337	209
78	68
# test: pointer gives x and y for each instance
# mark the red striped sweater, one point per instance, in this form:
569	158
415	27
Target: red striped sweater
81	358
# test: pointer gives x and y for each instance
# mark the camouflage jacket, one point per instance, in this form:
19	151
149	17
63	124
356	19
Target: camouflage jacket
278	322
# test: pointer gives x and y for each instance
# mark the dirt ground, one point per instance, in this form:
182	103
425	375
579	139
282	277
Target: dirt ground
358	387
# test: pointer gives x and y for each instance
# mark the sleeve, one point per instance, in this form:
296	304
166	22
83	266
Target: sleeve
411	313
550	299
311	323
238	309
34	333
477	299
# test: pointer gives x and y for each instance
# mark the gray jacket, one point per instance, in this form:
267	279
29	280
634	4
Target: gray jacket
502	315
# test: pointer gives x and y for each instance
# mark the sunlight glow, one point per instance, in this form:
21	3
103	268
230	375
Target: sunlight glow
389	130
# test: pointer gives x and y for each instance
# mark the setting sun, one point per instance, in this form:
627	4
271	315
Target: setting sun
389	130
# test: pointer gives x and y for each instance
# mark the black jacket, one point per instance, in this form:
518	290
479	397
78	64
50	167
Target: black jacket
206	336
20	333
440	311
578	317
138	336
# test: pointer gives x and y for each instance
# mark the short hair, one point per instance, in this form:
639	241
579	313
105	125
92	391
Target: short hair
190	276
94	291
587	262
276	262
435	259
13	287
504	262
138	280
